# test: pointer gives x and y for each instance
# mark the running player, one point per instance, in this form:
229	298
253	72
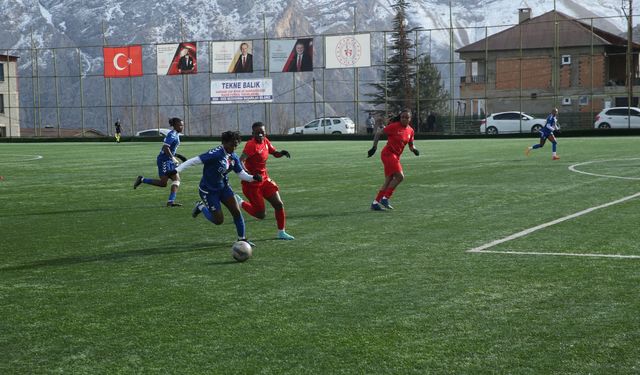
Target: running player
214	185
254	156
399	134
167	163
118	130
547	133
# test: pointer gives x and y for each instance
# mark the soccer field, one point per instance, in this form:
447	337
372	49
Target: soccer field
491	263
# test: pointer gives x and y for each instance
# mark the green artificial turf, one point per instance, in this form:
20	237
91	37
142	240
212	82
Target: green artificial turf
98	278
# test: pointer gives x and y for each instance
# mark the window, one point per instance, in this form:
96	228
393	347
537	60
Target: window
566	60
566	101
1	103
313	124
1	72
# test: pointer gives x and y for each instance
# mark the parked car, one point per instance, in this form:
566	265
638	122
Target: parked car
618	117
162	132
511	122
326	125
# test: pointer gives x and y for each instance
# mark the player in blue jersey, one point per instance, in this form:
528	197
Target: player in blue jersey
547	133
167	163
214	185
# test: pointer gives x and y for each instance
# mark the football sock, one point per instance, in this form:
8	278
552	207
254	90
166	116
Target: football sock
553	147
380	195
388	193
239	222
172	196
146	180
281	218
535	146
205	211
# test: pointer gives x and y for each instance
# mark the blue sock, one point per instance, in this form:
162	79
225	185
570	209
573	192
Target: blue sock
172	196
146	180
205	211
239	222
553	146
536	146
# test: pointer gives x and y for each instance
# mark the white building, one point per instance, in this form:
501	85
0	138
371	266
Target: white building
9	98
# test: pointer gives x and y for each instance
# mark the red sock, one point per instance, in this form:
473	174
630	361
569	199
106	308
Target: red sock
281	218
388	193
380	195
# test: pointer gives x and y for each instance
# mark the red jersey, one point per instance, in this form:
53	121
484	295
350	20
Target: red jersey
397	137
257	155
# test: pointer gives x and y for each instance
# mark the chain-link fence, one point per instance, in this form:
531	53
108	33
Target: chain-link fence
577	65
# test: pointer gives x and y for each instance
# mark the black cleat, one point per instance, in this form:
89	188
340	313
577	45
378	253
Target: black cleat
197	209
138	182
173	204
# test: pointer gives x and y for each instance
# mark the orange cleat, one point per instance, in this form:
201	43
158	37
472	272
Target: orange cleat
554	157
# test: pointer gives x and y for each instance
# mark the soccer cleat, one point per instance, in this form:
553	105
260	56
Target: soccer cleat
282	235
197	209
247	241
376	207
555	157
137	182
173	204
527	151
385	203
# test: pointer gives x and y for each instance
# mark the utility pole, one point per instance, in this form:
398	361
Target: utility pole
630	69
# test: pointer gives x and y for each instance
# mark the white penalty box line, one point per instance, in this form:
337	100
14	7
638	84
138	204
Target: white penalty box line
483	248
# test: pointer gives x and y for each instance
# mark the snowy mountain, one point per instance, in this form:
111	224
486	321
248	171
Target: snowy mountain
90	24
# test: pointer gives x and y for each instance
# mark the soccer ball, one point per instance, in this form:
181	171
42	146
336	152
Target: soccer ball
241	251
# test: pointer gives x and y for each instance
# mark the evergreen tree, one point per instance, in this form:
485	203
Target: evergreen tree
397	84
431	93
400	86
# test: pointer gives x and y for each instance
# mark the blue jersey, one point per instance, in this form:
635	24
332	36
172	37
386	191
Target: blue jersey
173	141
217	165
549	126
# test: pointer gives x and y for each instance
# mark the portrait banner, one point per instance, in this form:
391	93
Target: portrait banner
228	91
348	51
232	57
291	55
177	58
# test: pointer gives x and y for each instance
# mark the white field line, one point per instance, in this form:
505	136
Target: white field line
561	254
525	232
26	158
573	168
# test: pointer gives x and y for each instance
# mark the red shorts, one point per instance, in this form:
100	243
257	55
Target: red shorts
391	163
255	192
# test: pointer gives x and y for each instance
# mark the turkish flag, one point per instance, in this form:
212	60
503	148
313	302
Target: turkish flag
122	61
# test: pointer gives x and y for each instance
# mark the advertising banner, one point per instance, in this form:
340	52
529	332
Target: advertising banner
226	91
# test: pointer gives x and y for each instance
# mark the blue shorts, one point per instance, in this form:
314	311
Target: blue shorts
545	133
165	166
213	198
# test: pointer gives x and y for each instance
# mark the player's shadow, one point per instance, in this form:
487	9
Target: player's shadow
71	260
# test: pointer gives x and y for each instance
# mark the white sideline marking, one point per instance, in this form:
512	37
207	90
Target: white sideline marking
27	158
561	254
525	232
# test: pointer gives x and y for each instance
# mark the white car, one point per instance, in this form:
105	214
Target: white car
511	122
326	125
162	132
618	118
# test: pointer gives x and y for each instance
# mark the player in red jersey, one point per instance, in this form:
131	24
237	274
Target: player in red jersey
399	134
254	157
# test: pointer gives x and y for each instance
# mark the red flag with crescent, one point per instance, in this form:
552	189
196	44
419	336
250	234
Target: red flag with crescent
122	61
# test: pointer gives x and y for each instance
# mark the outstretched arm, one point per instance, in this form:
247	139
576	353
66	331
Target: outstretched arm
189	163
376	137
